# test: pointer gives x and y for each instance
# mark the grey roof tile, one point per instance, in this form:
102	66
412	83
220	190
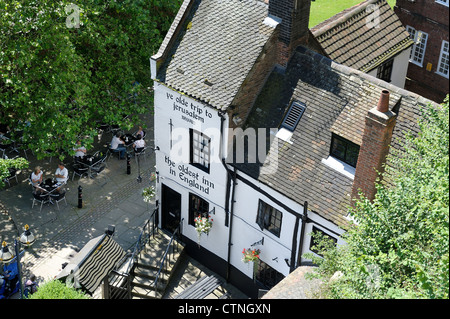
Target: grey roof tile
337	100
221	44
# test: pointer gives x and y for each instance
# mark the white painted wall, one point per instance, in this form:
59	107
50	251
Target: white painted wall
275	249
173	165
186	113
399	69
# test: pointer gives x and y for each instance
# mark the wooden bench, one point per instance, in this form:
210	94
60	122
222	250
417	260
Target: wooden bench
201	288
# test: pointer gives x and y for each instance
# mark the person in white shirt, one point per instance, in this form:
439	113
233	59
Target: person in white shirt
36	176
139	143
80	151
61	175
36	179
118	145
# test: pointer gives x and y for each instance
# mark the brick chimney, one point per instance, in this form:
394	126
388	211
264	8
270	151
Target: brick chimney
380	122
294	15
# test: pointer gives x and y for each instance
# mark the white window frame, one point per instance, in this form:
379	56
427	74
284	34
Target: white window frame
442	57
417	36
443	2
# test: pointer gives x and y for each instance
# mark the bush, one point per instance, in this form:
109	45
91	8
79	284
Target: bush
56	289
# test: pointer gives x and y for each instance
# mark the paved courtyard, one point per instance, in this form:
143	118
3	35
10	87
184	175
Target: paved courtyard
111	198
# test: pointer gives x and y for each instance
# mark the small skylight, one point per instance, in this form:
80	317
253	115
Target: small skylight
291	121
293	116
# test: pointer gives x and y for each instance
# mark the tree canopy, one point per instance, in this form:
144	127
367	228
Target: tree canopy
399	246
65	69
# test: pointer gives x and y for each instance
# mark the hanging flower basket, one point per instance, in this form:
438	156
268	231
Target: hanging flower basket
203	225
250	255
148	194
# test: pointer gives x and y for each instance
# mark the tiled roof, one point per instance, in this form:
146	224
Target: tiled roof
355	39
217	49
337	100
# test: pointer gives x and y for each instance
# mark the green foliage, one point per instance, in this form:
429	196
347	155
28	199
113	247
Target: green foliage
59	82
5	164
56	289
399	247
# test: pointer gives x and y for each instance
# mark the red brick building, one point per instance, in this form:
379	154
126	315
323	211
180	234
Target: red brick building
427	21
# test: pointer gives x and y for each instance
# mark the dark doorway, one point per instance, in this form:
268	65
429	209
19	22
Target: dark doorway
171	209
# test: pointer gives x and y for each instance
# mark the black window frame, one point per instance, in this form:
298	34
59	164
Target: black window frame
266	275
384	71
269	218
195	209
312	243
347	145
192	160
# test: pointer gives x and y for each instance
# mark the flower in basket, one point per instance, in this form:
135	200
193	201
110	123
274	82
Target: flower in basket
203	225
250	255
148	193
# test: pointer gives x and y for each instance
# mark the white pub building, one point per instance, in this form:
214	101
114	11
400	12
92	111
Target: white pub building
262	135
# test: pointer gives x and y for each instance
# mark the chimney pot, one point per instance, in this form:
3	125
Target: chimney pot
383	102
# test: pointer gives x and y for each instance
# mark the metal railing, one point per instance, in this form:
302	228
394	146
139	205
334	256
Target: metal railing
168	258
118	282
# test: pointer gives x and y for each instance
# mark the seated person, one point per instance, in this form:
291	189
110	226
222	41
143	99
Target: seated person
80	151
140	132
61	175
138	144
36	178
118	145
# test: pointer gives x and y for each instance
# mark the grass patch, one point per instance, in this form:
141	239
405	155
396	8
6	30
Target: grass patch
324	9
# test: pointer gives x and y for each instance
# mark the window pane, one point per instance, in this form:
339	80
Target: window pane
338	148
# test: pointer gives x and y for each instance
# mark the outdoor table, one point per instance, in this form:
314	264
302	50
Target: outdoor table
128	139
90	161
49	186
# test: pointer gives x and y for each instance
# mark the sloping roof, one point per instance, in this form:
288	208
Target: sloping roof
354	38
217	49
93	262
337	99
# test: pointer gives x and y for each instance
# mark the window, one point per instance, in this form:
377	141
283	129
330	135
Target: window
444	2
267	276
269	218
200	150
197	206
344	150
314	239
420	43
442	68
384	71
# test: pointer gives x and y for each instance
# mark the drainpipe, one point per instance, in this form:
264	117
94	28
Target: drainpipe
231	176
302	233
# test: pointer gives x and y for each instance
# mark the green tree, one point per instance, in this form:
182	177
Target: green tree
399	246
66	69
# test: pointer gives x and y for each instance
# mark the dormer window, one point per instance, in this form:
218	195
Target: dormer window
344	150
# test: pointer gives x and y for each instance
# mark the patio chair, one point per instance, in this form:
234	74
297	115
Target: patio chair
56	197
40	198
12	175
80	170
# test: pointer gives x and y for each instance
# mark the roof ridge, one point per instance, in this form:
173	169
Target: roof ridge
338	18
349	71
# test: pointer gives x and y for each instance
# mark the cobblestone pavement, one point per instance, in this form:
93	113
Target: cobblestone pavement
112	198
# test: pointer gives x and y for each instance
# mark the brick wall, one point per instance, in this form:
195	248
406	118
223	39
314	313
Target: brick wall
373	151
433	19
255	80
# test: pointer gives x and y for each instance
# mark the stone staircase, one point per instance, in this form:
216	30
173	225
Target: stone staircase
145	270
